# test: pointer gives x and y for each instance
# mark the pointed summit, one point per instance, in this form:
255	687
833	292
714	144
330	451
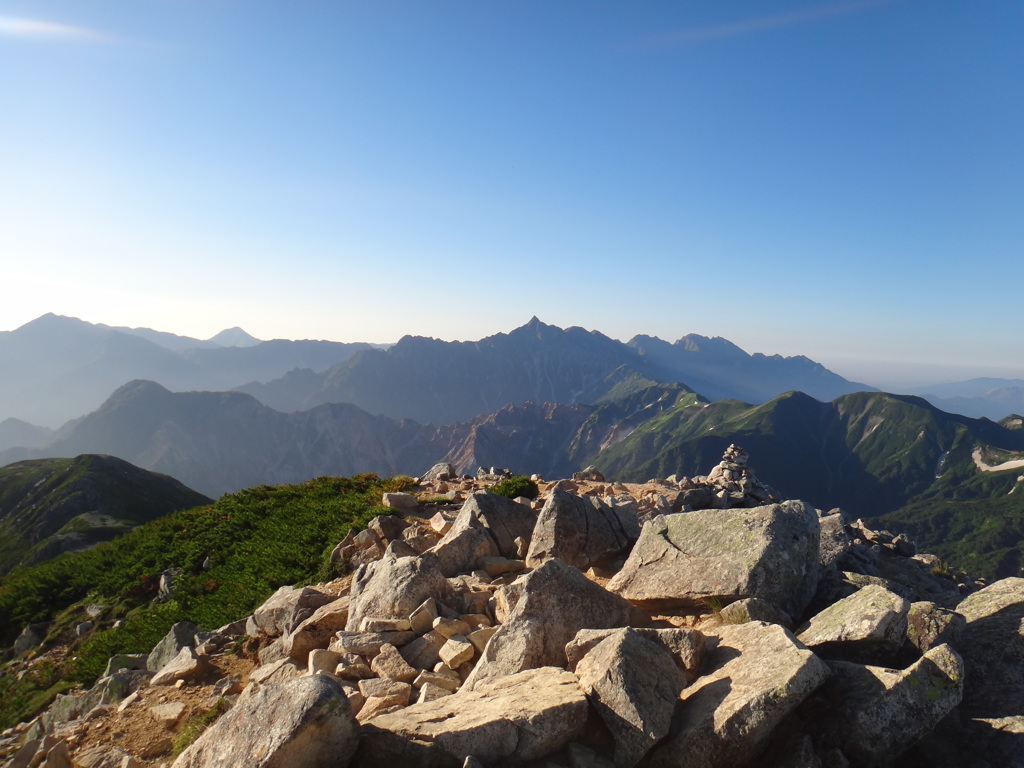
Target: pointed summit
234	337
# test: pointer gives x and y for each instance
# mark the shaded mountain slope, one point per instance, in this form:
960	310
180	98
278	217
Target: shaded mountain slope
869	452
224	441
49	506
444	382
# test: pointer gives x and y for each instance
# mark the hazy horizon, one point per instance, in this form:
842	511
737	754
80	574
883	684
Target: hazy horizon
840	179
888	375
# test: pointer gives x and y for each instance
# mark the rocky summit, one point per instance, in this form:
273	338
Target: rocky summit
682	623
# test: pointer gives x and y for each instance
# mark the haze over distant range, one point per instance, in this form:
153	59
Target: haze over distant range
840	179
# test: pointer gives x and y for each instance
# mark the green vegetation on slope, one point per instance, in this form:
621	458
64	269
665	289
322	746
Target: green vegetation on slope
871	453
52	505
232	554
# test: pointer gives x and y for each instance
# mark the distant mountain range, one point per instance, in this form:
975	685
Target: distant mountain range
537	399
984	397
49	506
58	368
442	382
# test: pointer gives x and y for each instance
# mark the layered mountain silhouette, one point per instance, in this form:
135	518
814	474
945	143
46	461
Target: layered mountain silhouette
58	368
442	382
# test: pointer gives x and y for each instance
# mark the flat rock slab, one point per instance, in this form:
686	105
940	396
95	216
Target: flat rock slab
689	559
508	720
871	616
992	645
758	673
304	722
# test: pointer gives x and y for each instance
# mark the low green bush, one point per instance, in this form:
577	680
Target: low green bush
513	487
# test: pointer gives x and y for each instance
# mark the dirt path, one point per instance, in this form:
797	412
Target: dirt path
998	467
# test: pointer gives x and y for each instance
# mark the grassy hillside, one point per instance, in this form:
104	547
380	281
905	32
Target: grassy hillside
232	554
48	506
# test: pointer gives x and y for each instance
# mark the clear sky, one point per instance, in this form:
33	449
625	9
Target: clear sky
842	179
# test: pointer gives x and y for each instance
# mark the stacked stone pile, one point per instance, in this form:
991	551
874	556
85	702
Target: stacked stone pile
570	633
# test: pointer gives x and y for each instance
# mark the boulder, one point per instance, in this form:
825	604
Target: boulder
756	675
582	531
180	635
187	665
287	608
688	559
307	722
929	625
404	502
634	684
555	602
871	621
992	645
392	588
834	540
508	720
368	643
685	646
31	636
754	609
873	714
440	471
487	525
318	630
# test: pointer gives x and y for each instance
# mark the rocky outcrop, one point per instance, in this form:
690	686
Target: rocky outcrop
487	525
873	620
685	659
873	714
554	602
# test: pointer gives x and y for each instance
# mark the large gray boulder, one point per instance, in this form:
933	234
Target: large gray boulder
757	674
634	684
582	530
691	559
507	720
874	714
992	645
287	608
318	630
486	525
685	646
392	588
181	635
303	722
555	602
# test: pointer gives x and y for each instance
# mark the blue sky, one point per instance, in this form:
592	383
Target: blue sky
842	179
